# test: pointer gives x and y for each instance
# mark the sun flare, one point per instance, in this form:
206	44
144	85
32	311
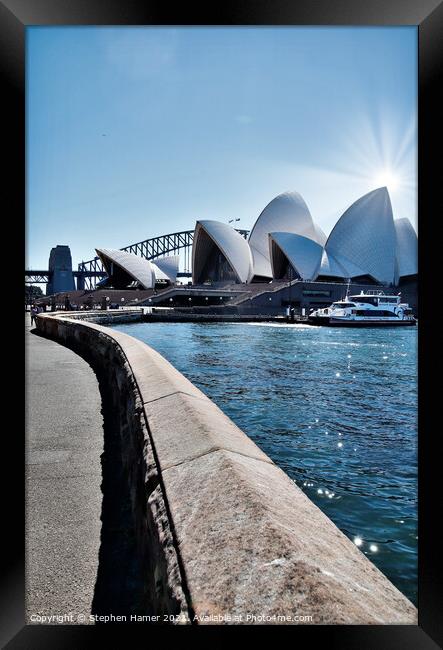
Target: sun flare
387	178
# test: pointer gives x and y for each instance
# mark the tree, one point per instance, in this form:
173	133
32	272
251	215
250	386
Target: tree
32	292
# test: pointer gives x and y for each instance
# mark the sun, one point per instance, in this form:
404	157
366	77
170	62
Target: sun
387	178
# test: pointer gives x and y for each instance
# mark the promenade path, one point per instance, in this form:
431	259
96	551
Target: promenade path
64	441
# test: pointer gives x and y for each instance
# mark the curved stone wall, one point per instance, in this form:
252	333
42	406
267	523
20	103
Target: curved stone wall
228	535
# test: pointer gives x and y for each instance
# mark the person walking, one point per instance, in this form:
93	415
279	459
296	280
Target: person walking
33	314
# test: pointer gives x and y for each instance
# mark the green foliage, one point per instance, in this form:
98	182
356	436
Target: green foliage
32	292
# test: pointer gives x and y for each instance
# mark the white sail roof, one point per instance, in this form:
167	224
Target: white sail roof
166	268
138	268
320	235
330	267
364	236
229	242
407	244
303	253
287	212
340	267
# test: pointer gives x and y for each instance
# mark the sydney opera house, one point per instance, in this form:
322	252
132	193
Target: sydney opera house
366	245
286	259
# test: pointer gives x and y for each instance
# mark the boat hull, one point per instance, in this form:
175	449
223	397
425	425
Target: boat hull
318	320
337	322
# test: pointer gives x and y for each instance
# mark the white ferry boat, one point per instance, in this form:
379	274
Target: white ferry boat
372	308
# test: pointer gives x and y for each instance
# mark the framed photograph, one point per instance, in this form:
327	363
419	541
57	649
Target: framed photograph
228	320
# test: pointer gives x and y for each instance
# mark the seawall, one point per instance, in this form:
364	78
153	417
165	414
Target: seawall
223	534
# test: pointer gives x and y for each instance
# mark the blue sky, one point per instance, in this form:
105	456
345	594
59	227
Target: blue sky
135	132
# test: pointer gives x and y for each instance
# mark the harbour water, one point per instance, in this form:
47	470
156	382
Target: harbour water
335	408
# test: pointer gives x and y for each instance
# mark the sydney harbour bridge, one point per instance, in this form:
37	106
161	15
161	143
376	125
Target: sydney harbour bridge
92	271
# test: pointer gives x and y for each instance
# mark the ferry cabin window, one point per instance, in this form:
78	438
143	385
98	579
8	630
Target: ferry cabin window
388	300
375	300
372	312
368	300
342	305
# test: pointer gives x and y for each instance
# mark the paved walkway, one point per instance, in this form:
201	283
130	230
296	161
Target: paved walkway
63	476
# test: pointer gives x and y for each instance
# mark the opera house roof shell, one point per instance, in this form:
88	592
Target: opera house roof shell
366	242
406	248
286	213
166	268
126	268
303	254
235	258
364	236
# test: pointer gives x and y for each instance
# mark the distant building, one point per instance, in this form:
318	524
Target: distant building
60	266
366	245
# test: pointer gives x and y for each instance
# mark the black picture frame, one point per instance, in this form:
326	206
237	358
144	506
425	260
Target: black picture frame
15	16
